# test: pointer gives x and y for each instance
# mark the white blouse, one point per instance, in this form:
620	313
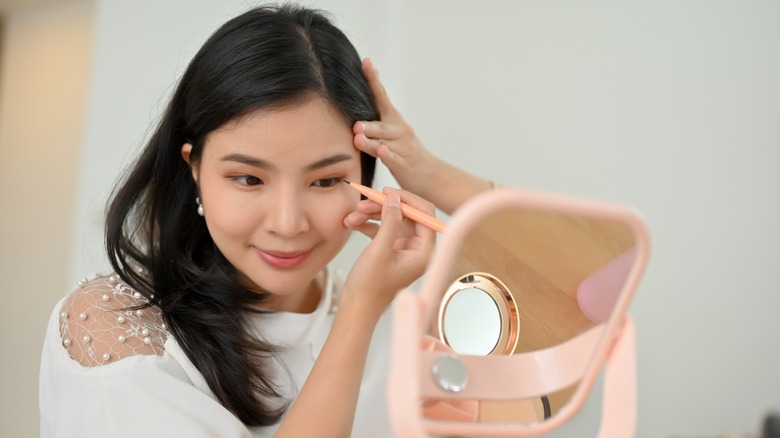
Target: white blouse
119	373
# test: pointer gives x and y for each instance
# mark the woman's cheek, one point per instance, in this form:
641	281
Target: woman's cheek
230	215
332	211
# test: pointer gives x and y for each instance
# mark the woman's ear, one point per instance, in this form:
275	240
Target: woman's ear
186	150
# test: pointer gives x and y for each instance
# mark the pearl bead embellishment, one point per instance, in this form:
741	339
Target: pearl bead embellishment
94	332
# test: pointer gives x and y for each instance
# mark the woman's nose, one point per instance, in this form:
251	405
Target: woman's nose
286	215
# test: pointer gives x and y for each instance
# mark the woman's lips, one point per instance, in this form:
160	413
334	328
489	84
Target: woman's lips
283	260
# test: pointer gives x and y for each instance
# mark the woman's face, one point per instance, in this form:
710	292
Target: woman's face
270	185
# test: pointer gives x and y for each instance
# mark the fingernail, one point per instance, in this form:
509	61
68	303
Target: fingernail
393	200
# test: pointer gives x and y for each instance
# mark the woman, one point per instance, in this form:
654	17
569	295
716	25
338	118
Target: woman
221	317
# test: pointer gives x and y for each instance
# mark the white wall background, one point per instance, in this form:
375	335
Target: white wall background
672	106
44	81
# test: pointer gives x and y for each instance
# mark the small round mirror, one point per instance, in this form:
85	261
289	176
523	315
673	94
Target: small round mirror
477	316
472	323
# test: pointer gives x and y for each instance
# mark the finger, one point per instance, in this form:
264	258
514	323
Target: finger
420	204
381	99
388	157
358	127
368	207
412	200
391	221
365	144
369	229
379	130
356	219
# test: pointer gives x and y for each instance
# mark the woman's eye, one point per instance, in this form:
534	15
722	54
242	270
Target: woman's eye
248	180
327	182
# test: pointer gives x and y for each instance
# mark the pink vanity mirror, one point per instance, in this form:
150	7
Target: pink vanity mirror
524	303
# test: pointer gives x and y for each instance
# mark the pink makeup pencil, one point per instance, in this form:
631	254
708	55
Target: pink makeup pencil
407	210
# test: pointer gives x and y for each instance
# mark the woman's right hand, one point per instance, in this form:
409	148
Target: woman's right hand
397	255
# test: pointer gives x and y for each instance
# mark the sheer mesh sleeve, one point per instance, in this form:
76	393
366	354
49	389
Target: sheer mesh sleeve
98	324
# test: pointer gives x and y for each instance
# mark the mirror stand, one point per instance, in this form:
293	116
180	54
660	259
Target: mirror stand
524	302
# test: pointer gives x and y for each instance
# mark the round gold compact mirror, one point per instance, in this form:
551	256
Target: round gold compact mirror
478	316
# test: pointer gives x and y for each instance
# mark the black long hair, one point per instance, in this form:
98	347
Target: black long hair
268	57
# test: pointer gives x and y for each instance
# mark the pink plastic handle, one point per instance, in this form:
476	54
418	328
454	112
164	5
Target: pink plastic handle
521	375
598	293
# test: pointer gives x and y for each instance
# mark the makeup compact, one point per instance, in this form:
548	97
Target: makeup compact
524	302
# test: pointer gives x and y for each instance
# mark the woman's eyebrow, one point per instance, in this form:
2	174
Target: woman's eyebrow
246	159
263	164
325	162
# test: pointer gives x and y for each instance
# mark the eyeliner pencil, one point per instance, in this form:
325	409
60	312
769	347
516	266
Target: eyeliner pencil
407	210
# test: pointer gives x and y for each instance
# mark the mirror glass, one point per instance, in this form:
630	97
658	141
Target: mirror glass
472	324
525	280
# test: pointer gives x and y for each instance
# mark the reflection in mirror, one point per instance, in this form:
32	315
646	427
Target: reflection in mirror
481	335
556	274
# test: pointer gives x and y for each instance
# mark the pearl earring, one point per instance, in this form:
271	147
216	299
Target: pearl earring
200	206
